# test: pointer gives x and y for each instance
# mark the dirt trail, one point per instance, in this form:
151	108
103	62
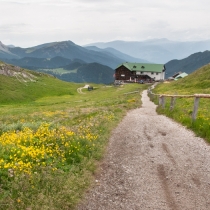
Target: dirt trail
152	163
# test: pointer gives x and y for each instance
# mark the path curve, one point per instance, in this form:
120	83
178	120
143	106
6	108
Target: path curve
152	163
79	90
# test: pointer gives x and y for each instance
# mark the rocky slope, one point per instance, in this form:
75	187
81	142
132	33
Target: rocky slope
15	71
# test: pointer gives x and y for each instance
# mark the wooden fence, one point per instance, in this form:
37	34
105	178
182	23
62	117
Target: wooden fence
131	92
173	98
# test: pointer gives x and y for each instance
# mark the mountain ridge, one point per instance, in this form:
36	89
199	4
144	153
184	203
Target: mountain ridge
118	54
188	64
156	50
66	49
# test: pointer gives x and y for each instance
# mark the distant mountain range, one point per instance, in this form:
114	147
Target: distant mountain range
65	49
189	64
37	63
75	63
117	54
71	62
156	50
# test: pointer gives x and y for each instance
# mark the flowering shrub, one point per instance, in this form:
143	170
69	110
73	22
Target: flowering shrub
26	150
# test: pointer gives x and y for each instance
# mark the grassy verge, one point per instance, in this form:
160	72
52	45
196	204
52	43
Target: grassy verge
197	82
182	113
49	147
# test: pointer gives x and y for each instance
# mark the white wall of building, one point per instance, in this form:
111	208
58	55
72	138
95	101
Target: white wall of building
153	75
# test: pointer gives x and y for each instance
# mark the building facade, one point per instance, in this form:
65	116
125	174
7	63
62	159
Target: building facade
136	72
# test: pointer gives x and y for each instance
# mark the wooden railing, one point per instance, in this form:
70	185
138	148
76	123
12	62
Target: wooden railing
131	92
173	98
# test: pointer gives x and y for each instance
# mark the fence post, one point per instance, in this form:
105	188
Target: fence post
152	96
195	109
163	102
160	100
172	103
150	93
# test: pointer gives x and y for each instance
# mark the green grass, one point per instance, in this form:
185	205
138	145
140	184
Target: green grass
40	116
197	82
15	91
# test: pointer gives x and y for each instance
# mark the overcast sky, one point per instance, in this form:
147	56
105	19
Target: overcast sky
27	23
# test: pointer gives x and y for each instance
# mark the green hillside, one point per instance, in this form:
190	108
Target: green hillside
57	136
197	82
19	85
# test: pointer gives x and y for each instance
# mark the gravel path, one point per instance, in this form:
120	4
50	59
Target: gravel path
152	163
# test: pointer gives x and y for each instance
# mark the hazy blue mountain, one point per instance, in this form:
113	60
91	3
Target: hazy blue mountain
96	73
89	72
74	65
65	49
114	52
5	52
189	64
36	63
11	46
156	50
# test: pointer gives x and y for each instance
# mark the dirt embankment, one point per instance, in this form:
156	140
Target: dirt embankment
152	163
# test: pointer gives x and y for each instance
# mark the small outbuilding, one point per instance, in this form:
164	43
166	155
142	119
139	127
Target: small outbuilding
182	75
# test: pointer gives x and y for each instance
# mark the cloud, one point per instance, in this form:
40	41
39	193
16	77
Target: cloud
102	20
12	27
160	24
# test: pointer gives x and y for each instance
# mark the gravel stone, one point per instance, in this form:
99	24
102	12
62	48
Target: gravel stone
153	163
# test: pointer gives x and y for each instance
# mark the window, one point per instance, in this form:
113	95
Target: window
152	73
156	73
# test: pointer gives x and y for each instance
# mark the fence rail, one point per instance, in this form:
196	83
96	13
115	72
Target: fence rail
173	99
131	92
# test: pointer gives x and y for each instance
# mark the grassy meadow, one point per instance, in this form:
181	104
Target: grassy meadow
16	91
52	137
196	83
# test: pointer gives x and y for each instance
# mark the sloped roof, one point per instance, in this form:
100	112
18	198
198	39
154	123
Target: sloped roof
143	67
182	75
